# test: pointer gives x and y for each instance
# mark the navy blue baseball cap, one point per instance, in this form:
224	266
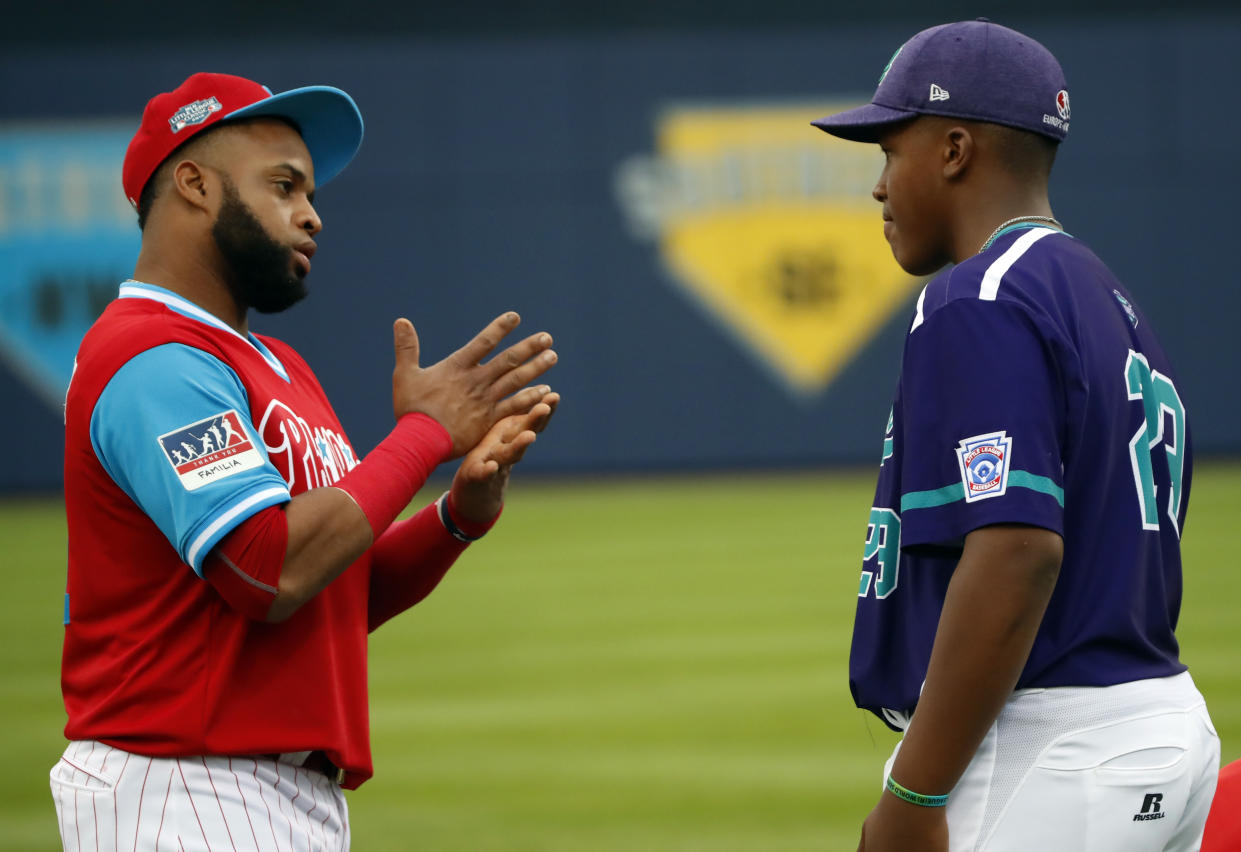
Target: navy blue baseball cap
326	117
976	70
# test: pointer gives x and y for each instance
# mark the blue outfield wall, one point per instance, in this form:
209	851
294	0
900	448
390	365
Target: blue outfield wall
710	265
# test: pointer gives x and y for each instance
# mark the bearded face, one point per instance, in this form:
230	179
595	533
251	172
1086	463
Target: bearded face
260	270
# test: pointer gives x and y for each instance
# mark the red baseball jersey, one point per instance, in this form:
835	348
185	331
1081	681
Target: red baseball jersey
1223	828
177	429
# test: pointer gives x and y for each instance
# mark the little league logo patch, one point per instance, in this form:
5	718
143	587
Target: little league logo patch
193	113
210	450
984	461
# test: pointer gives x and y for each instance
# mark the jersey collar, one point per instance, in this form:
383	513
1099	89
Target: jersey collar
1025	226
131	289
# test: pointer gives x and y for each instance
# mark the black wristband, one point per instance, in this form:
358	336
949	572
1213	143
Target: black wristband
446	519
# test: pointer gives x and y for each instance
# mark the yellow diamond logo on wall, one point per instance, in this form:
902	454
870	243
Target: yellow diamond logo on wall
769	223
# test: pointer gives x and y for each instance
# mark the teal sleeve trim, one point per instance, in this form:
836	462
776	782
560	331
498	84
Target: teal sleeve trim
66	607
1022	479
954	492
931	499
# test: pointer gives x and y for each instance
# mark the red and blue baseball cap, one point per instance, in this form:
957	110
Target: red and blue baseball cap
975	70
328	119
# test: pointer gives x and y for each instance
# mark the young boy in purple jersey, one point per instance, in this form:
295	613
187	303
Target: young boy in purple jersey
1022	574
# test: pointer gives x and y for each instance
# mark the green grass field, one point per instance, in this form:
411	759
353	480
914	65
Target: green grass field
636	664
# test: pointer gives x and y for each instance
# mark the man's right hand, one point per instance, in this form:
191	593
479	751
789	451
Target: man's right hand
464	395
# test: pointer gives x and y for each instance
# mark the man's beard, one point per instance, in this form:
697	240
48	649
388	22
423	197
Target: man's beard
259	270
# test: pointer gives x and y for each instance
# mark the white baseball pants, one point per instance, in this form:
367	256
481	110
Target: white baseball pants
108	799
1124	768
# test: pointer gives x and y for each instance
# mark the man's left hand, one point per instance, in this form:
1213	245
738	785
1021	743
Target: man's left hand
478	487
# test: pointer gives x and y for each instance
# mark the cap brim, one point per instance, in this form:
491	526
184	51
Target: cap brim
329	120
864	123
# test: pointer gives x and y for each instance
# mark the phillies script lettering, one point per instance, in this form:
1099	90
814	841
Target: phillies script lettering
306	456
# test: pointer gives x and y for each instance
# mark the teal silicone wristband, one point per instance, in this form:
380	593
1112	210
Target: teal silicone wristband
915	798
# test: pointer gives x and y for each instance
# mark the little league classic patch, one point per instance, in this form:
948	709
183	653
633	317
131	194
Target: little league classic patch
984	461
210	450
193	113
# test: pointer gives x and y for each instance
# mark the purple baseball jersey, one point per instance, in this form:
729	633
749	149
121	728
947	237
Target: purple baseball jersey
1032	391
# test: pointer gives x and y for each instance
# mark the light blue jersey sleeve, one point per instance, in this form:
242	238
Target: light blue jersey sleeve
173	430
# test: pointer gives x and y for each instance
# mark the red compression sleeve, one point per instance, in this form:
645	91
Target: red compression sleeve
389	477
409	560
245	566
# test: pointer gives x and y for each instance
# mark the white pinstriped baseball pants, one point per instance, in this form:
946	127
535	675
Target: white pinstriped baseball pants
109	799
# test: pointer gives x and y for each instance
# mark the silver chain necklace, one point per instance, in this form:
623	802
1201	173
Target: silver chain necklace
1048	219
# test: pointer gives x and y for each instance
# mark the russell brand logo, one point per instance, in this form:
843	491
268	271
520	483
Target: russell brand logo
1151	808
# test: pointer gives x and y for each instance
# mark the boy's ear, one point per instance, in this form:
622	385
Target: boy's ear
959	147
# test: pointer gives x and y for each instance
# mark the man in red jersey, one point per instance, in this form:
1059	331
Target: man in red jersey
228	553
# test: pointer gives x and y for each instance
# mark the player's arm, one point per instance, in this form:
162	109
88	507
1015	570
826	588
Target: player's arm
992	611
412	556
958	385
442	411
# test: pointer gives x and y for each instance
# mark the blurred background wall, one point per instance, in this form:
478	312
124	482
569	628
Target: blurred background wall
639	180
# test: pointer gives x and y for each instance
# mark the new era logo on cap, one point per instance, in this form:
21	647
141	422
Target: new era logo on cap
938	94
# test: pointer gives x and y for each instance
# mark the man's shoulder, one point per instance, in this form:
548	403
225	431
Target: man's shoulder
127	323
129	327
123	316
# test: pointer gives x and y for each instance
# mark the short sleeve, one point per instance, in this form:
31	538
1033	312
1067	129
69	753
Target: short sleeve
173	430
983	423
